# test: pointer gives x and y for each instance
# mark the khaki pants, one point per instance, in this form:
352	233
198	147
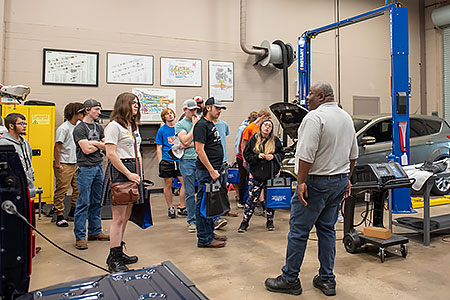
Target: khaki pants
65	176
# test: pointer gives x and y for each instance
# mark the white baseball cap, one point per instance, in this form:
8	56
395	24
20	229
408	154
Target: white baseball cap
198	98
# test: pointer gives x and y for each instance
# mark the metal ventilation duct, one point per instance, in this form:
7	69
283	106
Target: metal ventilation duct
441	16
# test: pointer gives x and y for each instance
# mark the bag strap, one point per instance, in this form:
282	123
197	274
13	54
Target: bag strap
135	157
136	154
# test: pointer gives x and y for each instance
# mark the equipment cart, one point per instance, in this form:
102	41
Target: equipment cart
378	180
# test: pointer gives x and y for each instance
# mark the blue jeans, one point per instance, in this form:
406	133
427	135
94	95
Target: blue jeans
90	181
187	169
324	198
205	226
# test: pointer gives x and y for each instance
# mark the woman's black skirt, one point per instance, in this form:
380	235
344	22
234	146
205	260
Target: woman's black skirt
117	176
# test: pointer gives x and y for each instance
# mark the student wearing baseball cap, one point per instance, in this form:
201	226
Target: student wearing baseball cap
89	140
88	104
184	130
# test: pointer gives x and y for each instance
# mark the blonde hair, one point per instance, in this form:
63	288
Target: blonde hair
269	147
263	112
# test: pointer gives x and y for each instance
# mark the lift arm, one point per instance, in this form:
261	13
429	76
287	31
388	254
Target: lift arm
304	45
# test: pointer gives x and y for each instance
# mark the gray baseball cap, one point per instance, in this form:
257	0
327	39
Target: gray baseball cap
89	103
190	104
215	102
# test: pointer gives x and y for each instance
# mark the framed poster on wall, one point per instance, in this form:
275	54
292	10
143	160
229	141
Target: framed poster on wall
153	101
181	72
221	80
129	68
69	67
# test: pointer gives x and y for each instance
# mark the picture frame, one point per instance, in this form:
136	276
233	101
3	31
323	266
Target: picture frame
122	68
221	80
153	101
70	67
181	72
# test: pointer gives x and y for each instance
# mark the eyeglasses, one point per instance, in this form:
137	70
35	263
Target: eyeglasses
199	102
22	123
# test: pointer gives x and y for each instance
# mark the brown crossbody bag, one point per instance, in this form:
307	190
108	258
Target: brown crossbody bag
123	193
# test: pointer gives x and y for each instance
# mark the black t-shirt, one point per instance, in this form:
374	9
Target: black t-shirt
206	133
90	132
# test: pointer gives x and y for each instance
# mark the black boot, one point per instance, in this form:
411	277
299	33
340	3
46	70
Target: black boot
128	260
115	261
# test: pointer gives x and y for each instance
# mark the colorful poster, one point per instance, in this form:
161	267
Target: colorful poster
181	72
153	101
70	67
221	80
130	69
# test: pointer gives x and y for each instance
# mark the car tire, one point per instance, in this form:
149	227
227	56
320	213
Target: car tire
441	186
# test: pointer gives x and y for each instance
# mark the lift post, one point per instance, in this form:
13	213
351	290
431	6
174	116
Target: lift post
401	198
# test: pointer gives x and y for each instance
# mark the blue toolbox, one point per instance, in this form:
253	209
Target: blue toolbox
233	176
278	193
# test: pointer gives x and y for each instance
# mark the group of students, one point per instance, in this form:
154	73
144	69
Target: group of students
80	144
325	157
258	153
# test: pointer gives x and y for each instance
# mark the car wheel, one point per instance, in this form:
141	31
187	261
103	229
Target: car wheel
441	186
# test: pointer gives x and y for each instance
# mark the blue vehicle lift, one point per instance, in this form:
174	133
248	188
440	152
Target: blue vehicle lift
401	198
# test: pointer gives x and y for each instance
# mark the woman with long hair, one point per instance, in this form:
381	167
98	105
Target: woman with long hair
121	134
264	154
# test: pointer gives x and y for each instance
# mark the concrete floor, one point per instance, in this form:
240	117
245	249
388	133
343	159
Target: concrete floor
238	271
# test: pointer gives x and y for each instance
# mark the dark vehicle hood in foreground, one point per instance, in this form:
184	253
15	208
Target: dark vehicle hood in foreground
290	116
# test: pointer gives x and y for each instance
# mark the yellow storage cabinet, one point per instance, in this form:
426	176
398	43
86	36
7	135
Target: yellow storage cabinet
41	136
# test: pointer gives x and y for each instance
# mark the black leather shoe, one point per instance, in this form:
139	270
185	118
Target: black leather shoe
327	287
281	285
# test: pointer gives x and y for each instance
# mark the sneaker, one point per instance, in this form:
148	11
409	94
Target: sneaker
240	205
171	213
341	218
281	285
269	225
220	223
243	227
182	211
192	227
327	287
61	222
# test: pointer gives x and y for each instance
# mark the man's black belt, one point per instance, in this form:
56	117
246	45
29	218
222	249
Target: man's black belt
318	177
